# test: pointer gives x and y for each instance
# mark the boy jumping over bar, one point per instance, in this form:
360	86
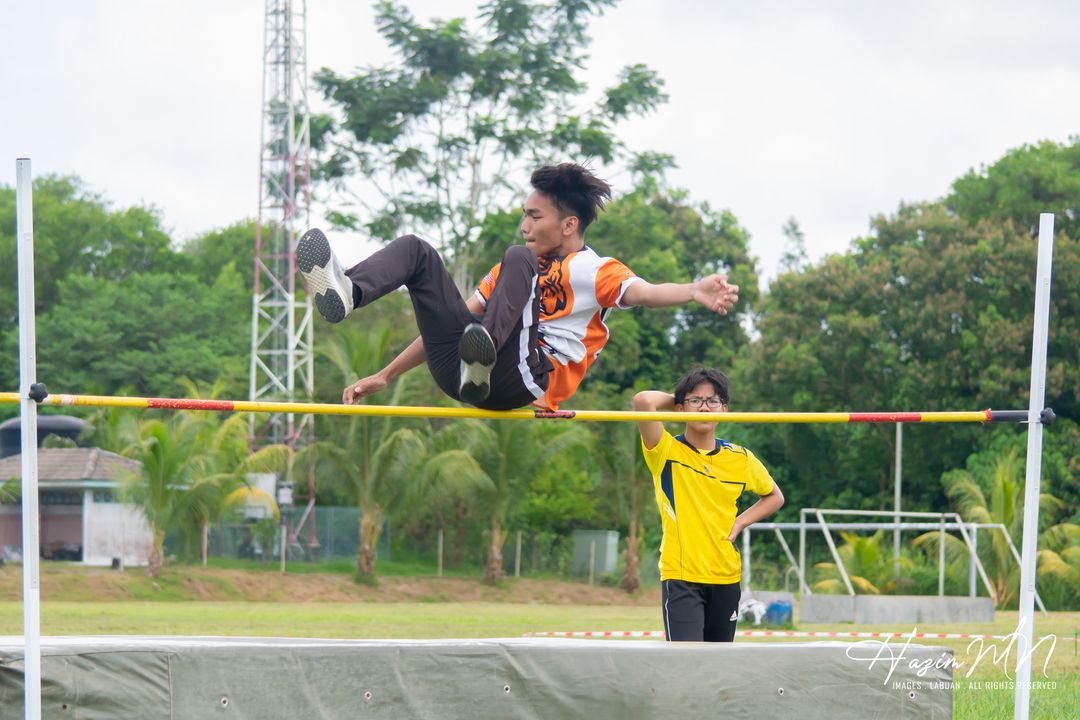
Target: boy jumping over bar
536	322
698	479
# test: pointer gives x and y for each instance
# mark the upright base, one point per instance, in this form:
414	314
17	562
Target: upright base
173	678
914	610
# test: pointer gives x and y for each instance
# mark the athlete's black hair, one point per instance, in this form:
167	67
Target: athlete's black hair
698	375
573	189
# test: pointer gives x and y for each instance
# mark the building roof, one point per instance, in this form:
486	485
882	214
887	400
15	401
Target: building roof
71	464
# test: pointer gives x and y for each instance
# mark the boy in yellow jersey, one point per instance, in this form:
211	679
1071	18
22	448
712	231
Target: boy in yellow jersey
698	479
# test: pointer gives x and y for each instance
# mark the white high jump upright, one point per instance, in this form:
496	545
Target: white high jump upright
28	429
1040	339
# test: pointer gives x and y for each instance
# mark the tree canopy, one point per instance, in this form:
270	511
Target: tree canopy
450	129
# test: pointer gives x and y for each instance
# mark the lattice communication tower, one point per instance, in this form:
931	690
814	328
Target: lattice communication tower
282	360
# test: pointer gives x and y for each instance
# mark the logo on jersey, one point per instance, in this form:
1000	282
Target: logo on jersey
553	297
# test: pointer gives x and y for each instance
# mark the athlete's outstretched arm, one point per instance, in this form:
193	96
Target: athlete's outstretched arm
407	359
712	292
651	401
763	508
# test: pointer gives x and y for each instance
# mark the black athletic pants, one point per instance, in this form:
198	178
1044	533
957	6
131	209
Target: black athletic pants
511	316
700	612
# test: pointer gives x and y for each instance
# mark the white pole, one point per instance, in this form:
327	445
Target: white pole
941	560
803	587
971	561
28	377
896	497
1036	399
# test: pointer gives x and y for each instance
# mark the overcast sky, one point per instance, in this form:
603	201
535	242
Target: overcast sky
830	112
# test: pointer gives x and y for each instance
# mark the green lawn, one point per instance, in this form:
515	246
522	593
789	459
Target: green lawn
974	697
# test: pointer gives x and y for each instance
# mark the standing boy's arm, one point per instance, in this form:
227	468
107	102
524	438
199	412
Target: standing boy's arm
763	508
651	401
712	292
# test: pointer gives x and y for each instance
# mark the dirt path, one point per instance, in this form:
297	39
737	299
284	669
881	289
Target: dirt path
78	584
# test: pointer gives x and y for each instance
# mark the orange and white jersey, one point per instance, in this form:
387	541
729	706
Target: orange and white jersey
576	293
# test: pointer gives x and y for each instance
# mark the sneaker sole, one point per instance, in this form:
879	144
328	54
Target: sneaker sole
313	258
477	360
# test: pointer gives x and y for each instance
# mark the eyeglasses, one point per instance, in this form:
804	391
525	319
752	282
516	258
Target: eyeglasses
696	402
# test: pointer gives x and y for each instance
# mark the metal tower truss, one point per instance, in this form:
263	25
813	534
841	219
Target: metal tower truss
282	363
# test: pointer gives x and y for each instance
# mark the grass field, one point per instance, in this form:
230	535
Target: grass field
985	694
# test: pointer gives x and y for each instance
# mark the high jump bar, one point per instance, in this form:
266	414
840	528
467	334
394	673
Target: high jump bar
143	403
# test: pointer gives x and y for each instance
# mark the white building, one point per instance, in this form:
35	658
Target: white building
82	517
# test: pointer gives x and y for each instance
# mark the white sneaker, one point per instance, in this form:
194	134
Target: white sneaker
326	280
477	351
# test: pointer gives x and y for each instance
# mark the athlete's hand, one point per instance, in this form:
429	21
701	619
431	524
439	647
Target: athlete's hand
736	531
715	293
364	387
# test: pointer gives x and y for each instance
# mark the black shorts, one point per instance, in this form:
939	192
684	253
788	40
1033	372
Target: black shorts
699	611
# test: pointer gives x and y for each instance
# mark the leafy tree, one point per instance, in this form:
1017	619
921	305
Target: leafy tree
438	133
930	312
212	252
76	233
794	257
79	241
1027	181
144	332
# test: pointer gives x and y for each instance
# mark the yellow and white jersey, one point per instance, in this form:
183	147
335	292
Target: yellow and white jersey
697	494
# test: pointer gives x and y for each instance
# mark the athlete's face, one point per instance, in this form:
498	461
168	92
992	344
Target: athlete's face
702	398
544	231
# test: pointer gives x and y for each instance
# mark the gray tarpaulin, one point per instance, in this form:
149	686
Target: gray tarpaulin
176	678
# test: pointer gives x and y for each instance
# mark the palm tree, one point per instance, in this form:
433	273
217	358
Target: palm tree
509	453
194	469
1059	557
448	484
1005	506
223	482
869	567
168	452
372	460
111	428
618	451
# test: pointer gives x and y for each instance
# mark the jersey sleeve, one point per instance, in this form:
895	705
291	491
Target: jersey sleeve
612	279
483	290
655	457
760	482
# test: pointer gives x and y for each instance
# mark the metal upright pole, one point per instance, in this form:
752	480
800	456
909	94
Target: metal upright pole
971	560
941	560
28	428
896	498
803	587
1036	399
